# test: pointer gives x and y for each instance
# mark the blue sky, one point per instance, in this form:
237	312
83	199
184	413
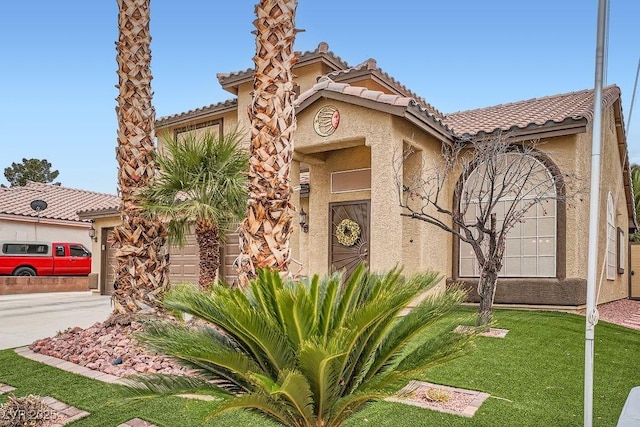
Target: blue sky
57	82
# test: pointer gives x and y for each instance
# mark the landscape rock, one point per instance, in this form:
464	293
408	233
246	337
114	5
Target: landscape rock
97	346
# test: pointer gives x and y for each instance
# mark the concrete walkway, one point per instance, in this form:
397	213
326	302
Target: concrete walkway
25	318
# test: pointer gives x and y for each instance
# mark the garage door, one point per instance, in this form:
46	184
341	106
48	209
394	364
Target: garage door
230	253
184	261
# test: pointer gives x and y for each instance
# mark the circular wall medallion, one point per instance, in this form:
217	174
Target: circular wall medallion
326	120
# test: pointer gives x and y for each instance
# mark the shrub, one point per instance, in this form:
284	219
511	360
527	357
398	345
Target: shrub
304	353
437	395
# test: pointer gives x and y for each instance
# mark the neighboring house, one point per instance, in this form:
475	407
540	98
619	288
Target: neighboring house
351	122
59	221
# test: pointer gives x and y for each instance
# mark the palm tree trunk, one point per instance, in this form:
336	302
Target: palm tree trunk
265	233
208	238
142	259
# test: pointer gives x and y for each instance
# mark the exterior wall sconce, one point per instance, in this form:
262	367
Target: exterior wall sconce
303	220
92	232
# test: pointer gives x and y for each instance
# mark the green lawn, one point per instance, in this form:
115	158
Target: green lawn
534	375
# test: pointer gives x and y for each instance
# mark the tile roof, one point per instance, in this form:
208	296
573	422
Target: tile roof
410	103
213	108
371	66
321	51
63	203
529	113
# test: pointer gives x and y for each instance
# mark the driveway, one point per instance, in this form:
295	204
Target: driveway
25	318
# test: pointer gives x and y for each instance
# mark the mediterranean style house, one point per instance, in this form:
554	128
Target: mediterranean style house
353	120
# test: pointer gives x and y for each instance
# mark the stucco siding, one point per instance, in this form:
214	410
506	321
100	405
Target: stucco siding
101	225
611	179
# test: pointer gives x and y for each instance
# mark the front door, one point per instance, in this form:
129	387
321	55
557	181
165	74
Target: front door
349	230
634	290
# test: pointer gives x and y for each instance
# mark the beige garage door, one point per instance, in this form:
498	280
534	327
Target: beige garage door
230	253
184	261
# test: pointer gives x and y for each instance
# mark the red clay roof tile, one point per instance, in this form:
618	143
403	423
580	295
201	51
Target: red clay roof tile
63	203
522	114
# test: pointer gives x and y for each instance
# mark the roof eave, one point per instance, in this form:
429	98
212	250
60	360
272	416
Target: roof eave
219	109
626	167
231	83
569	126
43	220
98	213
411	113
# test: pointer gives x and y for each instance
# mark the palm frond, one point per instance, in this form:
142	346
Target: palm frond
211	353
406	328
435	350
294	388
330	287
311	353
202	178
230	310
320	364
348	405
261	403
156	385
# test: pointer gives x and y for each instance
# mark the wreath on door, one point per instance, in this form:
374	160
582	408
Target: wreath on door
347	232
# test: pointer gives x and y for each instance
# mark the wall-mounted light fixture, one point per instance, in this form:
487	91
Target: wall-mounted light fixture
92	232
303	220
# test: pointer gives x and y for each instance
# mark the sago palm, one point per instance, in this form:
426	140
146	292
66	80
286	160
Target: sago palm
304	353
201	185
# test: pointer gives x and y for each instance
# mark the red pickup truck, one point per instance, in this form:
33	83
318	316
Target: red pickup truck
44	259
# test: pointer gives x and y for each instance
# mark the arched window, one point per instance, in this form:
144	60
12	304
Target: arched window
530	249
611	239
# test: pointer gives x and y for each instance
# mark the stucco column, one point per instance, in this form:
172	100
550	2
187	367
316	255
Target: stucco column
386	222
318	219
294	242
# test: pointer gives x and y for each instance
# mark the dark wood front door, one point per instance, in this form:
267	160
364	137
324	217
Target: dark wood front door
349	231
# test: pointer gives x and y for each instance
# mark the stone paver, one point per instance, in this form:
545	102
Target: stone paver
71	412
491	333
137	422
469	410
68	366
6	388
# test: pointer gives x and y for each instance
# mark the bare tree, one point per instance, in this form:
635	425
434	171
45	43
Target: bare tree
498	183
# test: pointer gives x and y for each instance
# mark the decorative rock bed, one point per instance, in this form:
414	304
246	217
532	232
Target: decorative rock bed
98	346
459	401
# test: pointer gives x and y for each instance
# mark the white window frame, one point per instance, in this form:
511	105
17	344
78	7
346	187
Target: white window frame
611	244
550	198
